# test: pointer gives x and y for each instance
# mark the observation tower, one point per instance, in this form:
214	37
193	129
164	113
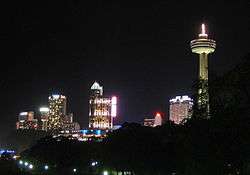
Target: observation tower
203	46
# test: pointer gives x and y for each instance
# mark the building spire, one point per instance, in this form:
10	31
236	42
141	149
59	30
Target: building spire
203	31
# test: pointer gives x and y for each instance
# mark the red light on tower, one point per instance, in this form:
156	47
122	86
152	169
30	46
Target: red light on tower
158	119
158	114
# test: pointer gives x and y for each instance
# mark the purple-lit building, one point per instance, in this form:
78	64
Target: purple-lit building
180	108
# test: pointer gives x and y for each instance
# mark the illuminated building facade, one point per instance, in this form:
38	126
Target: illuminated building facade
44	113
69	125
203	46
52	118
102	109
180	108
57	112
149	122
153	122
73	126
26	120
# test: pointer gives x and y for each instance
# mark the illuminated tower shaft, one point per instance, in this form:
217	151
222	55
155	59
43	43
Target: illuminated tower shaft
203	67
203	46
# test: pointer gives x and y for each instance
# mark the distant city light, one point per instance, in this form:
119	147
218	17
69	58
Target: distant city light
46	167
30	166
26	163
158	114
114	100
44	109
74	170
84	131
6	151
96	86
94	163
56	96
23	113
20	162
98	132
180	99
113	106
105	173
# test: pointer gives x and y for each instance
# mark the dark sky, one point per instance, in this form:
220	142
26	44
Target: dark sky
138	50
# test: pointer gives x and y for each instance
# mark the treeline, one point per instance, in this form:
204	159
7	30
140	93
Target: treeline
20	140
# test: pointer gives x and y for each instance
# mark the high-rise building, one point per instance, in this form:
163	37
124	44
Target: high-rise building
102	109
180	108
57	112
68	118
44	113
69	125
26	120
203	46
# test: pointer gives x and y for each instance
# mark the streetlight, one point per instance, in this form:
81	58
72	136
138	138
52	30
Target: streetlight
105	173
20	162
26	163
74	170
46	167
94	163
31	166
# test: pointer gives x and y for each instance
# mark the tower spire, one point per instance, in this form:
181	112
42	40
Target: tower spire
203	31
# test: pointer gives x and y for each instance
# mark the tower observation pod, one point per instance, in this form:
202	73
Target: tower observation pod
203	46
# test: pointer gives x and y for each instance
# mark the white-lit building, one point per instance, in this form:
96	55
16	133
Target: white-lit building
180	108
102	109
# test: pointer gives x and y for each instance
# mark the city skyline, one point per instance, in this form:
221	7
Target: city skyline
140	53
95	86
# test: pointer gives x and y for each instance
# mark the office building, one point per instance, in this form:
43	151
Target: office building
57	112
44	115
102	109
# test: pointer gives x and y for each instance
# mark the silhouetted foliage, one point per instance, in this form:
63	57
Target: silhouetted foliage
21	140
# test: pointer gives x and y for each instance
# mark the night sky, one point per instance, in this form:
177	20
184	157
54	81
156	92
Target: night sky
137	50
